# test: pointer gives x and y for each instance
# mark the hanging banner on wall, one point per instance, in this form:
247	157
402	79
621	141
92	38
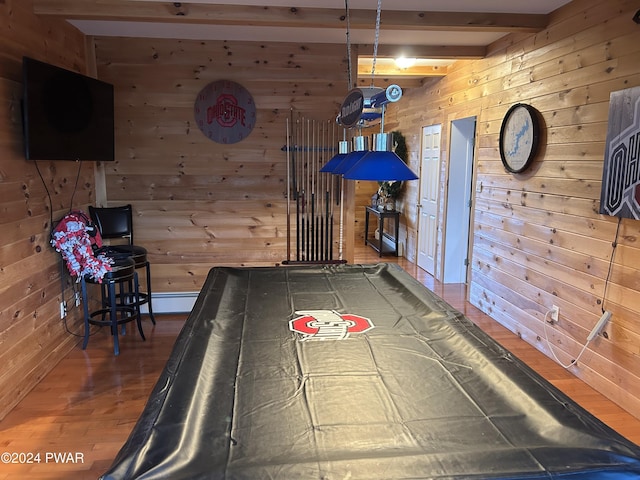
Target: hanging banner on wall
620	195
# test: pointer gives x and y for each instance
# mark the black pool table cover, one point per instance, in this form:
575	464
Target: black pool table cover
346	372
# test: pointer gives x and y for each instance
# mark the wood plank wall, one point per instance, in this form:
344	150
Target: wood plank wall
537	237
198	203
32	336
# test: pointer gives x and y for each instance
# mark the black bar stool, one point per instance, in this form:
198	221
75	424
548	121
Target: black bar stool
116	309
117	223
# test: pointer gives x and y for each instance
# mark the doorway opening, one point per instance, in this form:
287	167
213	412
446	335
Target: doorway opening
459	201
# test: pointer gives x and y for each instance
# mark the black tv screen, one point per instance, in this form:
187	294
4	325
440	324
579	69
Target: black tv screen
66	115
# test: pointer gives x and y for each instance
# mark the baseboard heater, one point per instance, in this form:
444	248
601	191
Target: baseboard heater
171	302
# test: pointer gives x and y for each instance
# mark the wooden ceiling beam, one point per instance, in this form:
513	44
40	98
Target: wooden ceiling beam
198	13
468	52
413	72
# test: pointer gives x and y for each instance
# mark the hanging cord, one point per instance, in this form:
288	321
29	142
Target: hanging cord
62	267
75	187
614	245
349	67
553	353
344	134
73	285
48	197
375	42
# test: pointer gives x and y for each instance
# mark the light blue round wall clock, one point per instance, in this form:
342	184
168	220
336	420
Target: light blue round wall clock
519	137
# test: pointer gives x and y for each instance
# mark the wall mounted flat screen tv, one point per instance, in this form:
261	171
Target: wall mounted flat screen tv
66	115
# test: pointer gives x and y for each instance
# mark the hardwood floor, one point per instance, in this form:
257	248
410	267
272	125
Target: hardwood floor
85	408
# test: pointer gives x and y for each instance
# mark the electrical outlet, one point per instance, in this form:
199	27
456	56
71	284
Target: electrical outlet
63	310
554	313
77	299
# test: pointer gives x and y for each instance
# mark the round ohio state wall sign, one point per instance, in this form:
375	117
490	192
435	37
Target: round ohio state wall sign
225	111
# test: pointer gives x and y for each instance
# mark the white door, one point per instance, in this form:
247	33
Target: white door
429	185
457	224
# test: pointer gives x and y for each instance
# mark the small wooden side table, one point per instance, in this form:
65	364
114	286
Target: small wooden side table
378	244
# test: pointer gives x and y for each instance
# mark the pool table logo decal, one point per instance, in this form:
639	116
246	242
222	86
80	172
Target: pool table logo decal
328	325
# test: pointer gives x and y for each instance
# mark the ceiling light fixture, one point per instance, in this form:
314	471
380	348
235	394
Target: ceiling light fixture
405	62
382	163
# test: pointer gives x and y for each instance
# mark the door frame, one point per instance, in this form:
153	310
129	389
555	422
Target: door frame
461	163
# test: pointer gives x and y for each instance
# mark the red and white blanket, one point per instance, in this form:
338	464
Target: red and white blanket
72	240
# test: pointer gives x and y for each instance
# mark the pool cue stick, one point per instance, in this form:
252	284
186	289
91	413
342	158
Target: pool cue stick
313	191
295	184
308	183
298	227
316	169
323	145
316	173
300	175
331	151
327	155
326	227
331	236
312	173
341	220
305	178
330	184
298	193
288	193
335	188
341	234
325	186
304	191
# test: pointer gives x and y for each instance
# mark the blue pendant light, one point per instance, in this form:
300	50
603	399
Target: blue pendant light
360	149
343	150
381	164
